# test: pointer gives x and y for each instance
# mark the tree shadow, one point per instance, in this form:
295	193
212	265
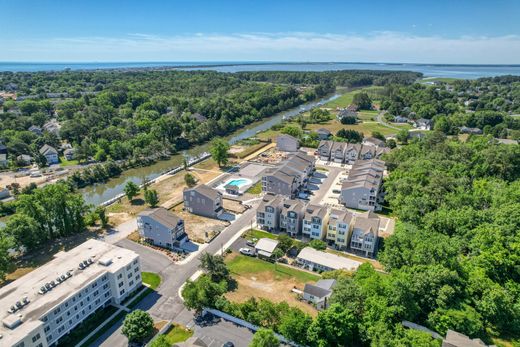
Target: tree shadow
137	202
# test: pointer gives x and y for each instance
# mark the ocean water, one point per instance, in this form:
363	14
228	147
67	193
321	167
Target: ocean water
429	70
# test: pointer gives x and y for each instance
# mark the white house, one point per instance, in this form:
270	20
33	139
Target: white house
265	247
50	154
319	293
314	260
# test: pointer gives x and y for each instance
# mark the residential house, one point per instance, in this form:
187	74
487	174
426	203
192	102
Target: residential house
352	153
323	134
35	130
319	293
423	124
291	216
363	187
338	228
50	154
466	130
52	126
203	200
455	339
367	152
314	260
338	152
198	117
268	212
289	176
324	149
265	247
400	119
162	228
3	155
365	233
24	159
69	153
287	143
372	141
346	113
315	222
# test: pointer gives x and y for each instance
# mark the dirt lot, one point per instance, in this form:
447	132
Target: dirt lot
233	206
170	192
266	285
197	226
270	156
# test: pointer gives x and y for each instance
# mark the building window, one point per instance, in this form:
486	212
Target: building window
119	276
120	284
36	337
122	292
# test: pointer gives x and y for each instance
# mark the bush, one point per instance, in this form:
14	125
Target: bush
318	244
137	325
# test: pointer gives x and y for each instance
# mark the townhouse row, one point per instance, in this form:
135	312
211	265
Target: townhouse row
290	176
339	228
348	153
363	187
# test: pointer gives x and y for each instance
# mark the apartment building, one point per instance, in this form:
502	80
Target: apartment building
315	222
363	187
41	307
162	228
338	228
289	176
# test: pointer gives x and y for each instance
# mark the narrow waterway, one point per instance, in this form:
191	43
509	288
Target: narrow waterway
99	193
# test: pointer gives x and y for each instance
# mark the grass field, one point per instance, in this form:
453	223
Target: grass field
258	234
255	189
65	162
365	127
244	265
152	279
178	333
346	99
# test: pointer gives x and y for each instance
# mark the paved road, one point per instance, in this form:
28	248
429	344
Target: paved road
382	121
165	302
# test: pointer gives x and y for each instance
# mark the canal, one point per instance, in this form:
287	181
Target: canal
98	193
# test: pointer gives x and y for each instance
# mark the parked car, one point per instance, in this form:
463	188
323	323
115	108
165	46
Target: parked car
228	344
247	251
250	243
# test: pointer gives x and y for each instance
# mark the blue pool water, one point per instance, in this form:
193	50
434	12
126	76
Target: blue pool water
239	182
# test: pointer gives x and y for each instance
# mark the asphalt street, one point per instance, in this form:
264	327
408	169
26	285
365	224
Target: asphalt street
165	303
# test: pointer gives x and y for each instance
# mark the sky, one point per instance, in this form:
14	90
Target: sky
420	31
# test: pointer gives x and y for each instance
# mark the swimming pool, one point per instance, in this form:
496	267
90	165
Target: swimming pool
239	182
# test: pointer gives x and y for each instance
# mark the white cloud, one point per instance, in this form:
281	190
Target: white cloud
376	47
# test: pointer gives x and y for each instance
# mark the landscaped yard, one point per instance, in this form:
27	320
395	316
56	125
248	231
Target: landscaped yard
258	234
262	279
178	333
255	188
152	279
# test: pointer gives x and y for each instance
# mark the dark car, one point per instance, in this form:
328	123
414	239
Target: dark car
228	344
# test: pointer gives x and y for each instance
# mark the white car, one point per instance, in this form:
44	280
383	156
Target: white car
247	251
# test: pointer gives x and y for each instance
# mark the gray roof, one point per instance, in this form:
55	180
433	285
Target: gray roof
315	290
323	131
286	136
315	211
207	191
46	149
163	216
455	339
326	143
198	117
340	216
368	223
326	284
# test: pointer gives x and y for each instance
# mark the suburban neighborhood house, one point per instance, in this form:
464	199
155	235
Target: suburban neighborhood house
365	233
314	222
41	307
287	143
291	217
265	247
338	230
289	176
268	212
314	260
50	154
3	155
362	189
203	200
162	228
319	293
348	153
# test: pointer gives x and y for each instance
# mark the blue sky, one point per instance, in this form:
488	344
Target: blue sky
456	31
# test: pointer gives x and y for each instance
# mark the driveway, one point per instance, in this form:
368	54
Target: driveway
318	195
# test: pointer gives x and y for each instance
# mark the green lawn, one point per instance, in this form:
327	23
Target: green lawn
346	99
242	265
65	162
152	279
258	234
255	189
178	333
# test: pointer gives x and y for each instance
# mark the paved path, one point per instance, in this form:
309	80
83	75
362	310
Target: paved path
380	120
165	303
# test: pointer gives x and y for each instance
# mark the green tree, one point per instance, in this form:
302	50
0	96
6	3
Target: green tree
264	338
333	327
160	341
348	120
362	101
292	130
390	143
6	262
202	293
102	215
24	231
294	324
318	244
137	325
350	135
378	135
219	151
285	242
151	197
402	136
189	180
214	266
131	190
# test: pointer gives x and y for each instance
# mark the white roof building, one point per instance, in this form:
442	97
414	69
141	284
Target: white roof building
44	305
265	247
313	259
